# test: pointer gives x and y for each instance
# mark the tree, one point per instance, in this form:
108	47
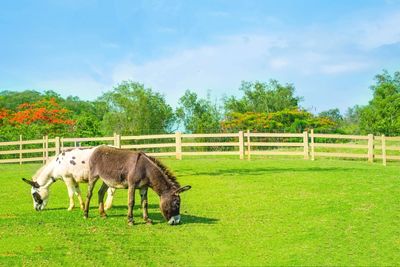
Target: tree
295	121
43	117
351	120
132	109
334	116
382	114
263	97
198	115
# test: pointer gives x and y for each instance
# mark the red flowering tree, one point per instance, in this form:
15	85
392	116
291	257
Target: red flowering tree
43	117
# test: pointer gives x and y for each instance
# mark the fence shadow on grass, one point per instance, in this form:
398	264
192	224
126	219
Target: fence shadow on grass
262	171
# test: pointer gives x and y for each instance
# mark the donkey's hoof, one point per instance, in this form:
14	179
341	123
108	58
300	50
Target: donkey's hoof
131	223
82	207
103	215
107	207
70	208
149	222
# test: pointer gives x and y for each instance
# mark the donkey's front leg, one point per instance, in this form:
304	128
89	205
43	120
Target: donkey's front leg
102	191
131	203
144	204
71	190
92	182
78	193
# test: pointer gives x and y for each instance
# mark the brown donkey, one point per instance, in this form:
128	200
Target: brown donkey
134	170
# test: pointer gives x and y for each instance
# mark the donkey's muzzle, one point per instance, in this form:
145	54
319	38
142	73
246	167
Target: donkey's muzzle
174	220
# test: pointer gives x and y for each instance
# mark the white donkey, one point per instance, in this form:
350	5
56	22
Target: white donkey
72	166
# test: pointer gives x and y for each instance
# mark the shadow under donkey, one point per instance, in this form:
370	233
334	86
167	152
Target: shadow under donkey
158	218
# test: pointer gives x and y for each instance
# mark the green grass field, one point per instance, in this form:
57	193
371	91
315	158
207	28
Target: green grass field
238	213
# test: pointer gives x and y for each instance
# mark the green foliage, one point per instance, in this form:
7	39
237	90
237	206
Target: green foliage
382	114
263	97
263	212
133	109
283	121
351	121
11	100
198	115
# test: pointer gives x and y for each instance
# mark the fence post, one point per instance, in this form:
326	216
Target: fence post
241	145
305	143
20	149
370	148
44	148
178	145
117	140
57	145
47	148
312	145
248	145
383	150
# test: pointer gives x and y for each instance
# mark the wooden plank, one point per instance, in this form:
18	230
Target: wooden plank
162	154
143	137
148	146
287	144
25	151
275	135
339	145
16	160
393	148
207	144
341	136
210	135
388	157
24	142
210	153
341	155
392	138
87	139
277	153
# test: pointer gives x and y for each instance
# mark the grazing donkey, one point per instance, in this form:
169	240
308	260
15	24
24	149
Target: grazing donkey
72	166
126	169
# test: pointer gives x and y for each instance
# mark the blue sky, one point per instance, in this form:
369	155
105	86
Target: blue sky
330	50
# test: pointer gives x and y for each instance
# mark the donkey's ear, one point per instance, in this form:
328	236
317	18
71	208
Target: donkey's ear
182	189
32	183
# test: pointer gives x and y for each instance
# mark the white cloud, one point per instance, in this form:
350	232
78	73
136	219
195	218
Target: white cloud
220	66
86	87
344	67
378	31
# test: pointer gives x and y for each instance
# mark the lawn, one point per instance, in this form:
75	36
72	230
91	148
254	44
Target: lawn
238	213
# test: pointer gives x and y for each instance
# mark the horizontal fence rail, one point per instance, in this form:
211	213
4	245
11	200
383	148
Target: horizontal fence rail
308	145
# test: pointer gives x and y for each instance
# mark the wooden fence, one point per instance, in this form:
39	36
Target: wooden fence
307	145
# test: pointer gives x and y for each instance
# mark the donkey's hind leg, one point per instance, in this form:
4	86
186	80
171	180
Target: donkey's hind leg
101	193
109	200
144	204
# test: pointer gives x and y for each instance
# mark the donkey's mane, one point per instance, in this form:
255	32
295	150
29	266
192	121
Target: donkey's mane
167	172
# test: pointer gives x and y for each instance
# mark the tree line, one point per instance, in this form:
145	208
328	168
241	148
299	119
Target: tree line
133	109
